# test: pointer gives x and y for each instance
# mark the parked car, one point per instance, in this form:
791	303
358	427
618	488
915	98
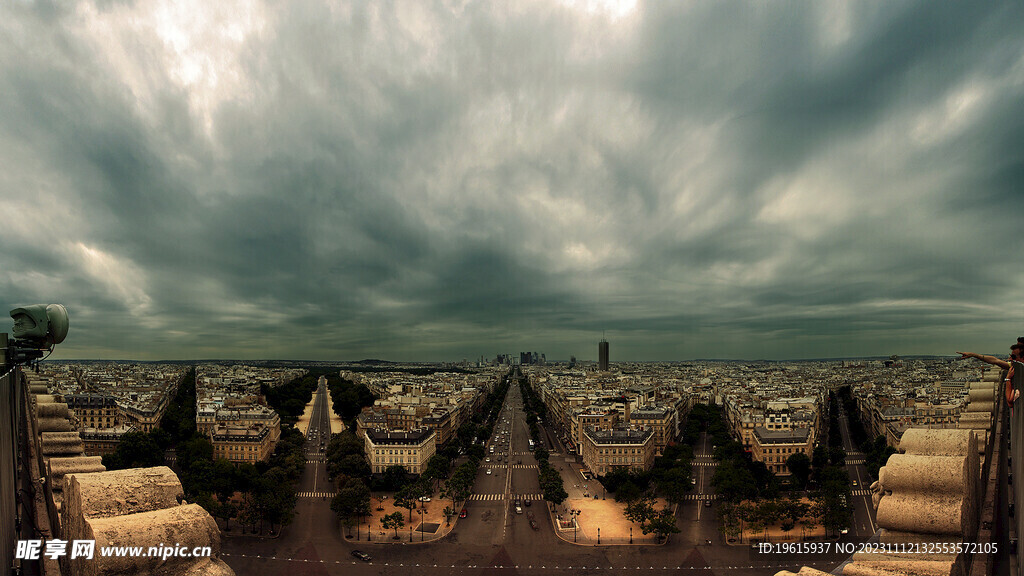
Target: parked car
361	555
424	498
463	514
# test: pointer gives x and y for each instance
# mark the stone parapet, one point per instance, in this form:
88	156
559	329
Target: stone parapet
52	410
54	424
121	492
185	526
901	568
57	468
138	507
62	444
804	571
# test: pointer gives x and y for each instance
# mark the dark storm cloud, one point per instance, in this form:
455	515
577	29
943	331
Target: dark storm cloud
452	179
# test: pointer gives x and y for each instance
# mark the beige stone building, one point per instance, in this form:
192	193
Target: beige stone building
604	450
241	444
411	449
774	447
661	420
210	417
100	441
94	410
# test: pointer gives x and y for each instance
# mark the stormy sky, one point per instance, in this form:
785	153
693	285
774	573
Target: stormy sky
444	180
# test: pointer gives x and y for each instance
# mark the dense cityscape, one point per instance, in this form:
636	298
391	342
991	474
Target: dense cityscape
506	461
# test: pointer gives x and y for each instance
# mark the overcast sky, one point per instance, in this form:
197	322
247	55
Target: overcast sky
444	180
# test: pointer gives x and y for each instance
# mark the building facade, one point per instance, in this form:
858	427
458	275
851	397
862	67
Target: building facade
605	450
411	449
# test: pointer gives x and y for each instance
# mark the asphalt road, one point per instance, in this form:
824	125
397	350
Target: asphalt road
863	523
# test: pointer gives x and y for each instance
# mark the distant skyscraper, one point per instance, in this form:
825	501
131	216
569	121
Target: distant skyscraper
602	355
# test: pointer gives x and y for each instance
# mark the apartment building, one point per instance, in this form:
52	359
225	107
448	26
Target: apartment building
94	410
241	444
774	447
409	448
605	450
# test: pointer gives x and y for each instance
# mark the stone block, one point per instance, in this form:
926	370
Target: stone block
122	492
58	467
981	406
923	441
901	568
52	410
53	424
187	525
925	513
61	443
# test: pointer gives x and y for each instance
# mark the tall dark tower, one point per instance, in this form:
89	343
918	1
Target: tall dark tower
602	355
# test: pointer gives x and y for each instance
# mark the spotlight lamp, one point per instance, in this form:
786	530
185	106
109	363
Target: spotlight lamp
37	328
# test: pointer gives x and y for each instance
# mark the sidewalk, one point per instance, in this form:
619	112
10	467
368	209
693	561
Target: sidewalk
432	519
601	519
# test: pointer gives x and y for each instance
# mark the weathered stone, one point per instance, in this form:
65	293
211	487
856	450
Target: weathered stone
922	441
980	406
902	568
58	467
53	424
52	410
915	473
186	526
121	492
927	513
67	443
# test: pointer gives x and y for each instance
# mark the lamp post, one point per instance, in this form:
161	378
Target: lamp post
598	534
630	534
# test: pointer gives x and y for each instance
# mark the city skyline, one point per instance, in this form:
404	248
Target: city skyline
439	181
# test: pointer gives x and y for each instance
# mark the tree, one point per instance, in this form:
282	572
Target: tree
405	499
135	450
393	478
836	456
551	485
641	510
393	520
352	501
627	492
662	523
799	466
734	482
437	468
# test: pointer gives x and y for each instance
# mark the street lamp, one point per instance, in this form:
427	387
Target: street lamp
630	534
598	534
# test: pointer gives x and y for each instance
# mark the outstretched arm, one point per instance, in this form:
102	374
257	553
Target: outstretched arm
987	359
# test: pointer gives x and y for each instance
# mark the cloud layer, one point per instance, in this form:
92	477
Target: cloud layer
417	180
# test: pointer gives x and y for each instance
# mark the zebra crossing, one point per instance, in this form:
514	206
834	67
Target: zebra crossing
316	494
492	497
522	466
861	492
855	462
711	464
701	497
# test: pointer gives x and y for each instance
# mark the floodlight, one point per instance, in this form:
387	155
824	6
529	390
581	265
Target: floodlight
40	323
37	329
